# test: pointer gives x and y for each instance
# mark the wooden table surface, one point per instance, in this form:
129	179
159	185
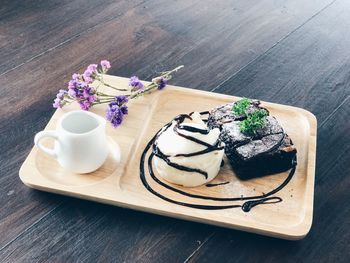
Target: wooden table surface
293	52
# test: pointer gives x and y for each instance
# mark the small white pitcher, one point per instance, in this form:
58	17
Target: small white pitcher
80	141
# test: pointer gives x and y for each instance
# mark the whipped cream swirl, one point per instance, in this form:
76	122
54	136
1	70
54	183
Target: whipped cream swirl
187	152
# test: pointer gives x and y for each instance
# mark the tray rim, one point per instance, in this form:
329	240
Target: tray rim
294	232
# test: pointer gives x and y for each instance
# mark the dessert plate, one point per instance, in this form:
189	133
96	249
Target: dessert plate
118	181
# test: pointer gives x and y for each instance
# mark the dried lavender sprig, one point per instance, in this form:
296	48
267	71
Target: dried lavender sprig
166	75
117	109
86	96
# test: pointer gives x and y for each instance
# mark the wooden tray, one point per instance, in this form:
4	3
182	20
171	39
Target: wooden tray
118	182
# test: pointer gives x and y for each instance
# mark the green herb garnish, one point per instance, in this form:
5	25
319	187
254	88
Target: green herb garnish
240	107
255	120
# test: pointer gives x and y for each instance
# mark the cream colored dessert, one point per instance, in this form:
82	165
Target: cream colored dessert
172	144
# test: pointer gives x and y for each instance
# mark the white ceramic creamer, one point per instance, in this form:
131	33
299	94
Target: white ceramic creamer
80	141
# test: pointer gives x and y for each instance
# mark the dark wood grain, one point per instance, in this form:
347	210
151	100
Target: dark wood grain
152	41
90	232
293	52
32	28
310	68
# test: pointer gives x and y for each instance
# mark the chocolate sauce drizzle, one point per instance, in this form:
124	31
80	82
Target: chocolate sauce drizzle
217	184
251	201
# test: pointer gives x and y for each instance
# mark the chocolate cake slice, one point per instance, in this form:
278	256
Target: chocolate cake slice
269	150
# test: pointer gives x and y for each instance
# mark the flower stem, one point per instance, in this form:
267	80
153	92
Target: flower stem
101	102
100	78
168	73
104	95
104	83
105	99
140	93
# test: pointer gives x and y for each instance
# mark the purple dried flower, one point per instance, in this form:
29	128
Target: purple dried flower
105	65
124	109
73	83
61	93
162	83
88	92
135	83
92	67
85	105
83	84
81	91
72	93
92	98
87	97
121	99
57	103
89	73
76	76
115	114
87	77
